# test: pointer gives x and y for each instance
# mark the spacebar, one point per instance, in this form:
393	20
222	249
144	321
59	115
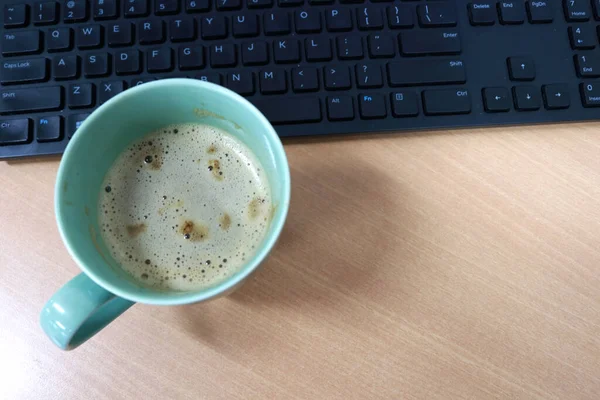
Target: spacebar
289	111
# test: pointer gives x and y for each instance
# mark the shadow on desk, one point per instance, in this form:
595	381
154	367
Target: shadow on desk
330	256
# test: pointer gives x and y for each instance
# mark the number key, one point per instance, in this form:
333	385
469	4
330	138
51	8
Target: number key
75	10
577	10
582	37
45	13
196	6
105	9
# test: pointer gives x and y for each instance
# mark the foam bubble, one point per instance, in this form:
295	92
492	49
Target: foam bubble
194	208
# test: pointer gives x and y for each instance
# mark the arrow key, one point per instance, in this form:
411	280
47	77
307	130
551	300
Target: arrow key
582	37
556	96
527	98
521	68
496	99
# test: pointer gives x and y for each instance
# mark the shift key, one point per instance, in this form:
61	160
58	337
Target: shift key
14	101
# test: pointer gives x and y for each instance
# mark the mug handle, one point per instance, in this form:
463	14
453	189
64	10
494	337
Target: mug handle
79	310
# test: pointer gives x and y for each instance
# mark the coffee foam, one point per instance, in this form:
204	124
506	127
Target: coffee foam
185	207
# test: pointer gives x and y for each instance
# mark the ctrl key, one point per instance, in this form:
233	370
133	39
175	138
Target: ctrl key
590	94
14	131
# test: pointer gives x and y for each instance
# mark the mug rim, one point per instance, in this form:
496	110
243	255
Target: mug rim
277	220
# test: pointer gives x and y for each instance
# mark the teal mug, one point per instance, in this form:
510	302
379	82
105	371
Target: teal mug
103	291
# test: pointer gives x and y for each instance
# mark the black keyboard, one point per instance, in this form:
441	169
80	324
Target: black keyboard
313	67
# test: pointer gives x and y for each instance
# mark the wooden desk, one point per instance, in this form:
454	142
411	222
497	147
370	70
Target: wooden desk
443	265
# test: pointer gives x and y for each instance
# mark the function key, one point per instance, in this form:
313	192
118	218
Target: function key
105	9
539	12
166	7
577	10
556	96
590	94
15	15
400	16
482	13
404	104
526	98
582	37
511	12
75	10
521	68
446	102
21	42
436	14
45	13
14	131
196	6
372	106
49	129
496	99
340	108
135	8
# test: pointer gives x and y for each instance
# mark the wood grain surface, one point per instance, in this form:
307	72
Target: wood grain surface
439	265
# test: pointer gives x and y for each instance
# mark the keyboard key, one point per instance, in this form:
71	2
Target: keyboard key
120	34
74	121
14	131
419	43
496	99
286	51
225	5
45	13
135	8
426	72
75	11
446	102
582	37
241	82
588	65
223	55
272	81
290	3
556	96
109	89
577	10
21	42
400	16
511	12
59	39
482	13
182	29
128	62
214	27
24	71
372	106
436	14
369	18
140	81
259	3
539	12
308	21
369	76
318	49
340	108
337	77
15	15
590	94
596	9
65	67
81	95
349	47
526	98
245	25
30	99
191	57
255	53
404	104
49	129
290	110
166	7
212	77
89	37
276	23
105	9
159	60
381	46
305	79
521	68
338	19
197	6
151	32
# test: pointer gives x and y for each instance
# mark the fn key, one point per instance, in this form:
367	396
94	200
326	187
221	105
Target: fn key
446	101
